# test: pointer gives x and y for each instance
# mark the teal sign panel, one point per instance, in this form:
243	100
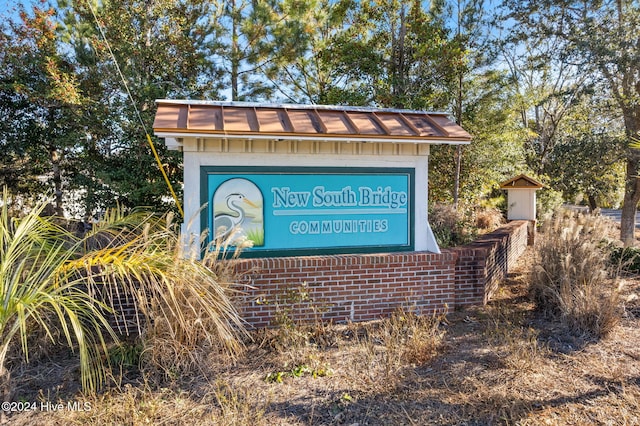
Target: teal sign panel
311	210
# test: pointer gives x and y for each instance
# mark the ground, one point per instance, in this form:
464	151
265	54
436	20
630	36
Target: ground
503	363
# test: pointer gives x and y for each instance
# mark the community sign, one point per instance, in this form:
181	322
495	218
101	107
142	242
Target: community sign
289	210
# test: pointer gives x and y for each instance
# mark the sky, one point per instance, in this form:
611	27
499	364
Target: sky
8	7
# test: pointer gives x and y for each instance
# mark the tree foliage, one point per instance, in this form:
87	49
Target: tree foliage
41	103
602	39
162	49
305	50
72	125
523	81
405	53
588	158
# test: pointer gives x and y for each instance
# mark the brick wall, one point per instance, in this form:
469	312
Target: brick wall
369	286
366	286
484	263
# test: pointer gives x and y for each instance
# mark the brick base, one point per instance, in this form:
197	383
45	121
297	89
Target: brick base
364	287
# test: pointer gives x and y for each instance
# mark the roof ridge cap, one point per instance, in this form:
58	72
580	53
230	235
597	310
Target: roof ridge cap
348	108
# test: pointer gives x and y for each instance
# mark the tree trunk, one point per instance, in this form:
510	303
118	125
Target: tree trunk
235	53
57	182
631	114
458	118
631	198
592	202
456	183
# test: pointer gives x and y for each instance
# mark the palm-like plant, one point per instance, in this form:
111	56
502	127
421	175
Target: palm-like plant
46	271
36	285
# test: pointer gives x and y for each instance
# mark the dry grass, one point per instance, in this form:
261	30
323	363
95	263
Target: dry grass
460	226
183	302
488	219
451	227
505	363
571	276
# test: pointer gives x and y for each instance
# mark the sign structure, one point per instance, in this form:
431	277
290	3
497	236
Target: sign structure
297	211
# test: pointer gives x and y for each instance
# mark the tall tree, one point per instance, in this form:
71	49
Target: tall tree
604	38
496	152
163	49
588	157
480	101
406	54
241	45
303	53
547	82
472	41
40	103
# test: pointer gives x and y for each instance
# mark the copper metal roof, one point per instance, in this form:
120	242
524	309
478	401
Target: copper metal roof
241	119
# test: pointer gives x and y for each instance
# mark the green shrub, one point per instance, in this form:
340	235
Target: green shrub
626	258
125	354
548	201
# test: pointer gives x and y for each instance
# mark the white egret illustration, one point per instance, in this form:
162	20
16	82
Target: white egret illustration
238	206
223	222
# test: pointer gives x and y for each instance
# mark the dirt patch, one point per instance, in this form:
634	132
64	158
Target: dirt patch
499	364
